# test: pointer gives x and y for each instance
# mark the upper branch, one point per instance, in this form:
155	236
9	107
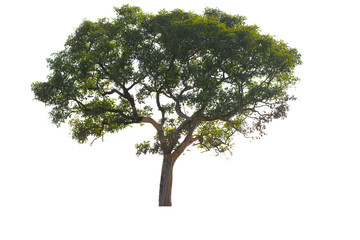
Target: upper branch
162	110
113	91
126	95
132	103
179	112
177	102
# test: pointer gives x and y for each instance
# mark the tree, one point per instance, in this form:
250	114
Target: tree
197	79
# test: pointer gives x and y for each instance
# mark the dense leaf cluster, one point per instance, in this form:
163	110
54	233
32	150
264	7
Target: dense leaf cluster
207	76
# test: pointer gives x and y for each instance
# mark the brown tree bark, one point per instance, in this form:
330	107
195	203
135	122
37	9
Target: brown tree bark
166	181
167	171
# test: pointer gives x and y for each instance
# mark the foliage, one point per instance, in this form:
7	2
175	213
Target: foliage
208	76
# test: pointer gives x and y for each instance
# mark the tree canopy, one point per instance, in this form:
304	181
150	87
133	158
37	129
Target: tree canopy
209	76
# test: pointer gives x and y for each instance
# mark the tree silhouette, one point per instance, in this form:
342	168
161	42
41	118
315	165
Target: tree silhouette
197	79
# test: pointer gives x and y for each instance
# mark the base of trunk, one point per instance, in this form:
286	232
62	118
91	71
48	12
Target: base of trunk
165	205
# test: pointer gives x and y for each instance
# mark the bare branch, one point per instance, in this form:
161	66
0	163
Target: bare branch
179	112
177	102
189	139
150	120
183	146
162	110
132	85
178	130
113	91
131	100
126	93
159	129
81	105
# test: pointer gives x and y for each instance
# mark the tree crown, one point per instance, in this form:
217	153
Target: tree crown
206	75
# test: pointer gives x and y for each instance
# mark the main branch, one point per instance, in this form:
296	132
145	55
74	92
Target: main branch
150	120
158	128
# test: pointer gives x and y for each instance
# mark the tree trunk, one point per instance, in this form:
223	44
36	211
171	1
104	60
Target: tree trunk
167	170
166	181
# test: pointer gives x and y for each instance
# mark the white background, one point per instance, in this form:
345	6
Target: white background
301	181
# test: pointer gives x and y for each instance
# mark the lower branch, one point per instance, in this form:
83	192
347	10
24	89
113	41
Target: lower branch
150	120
